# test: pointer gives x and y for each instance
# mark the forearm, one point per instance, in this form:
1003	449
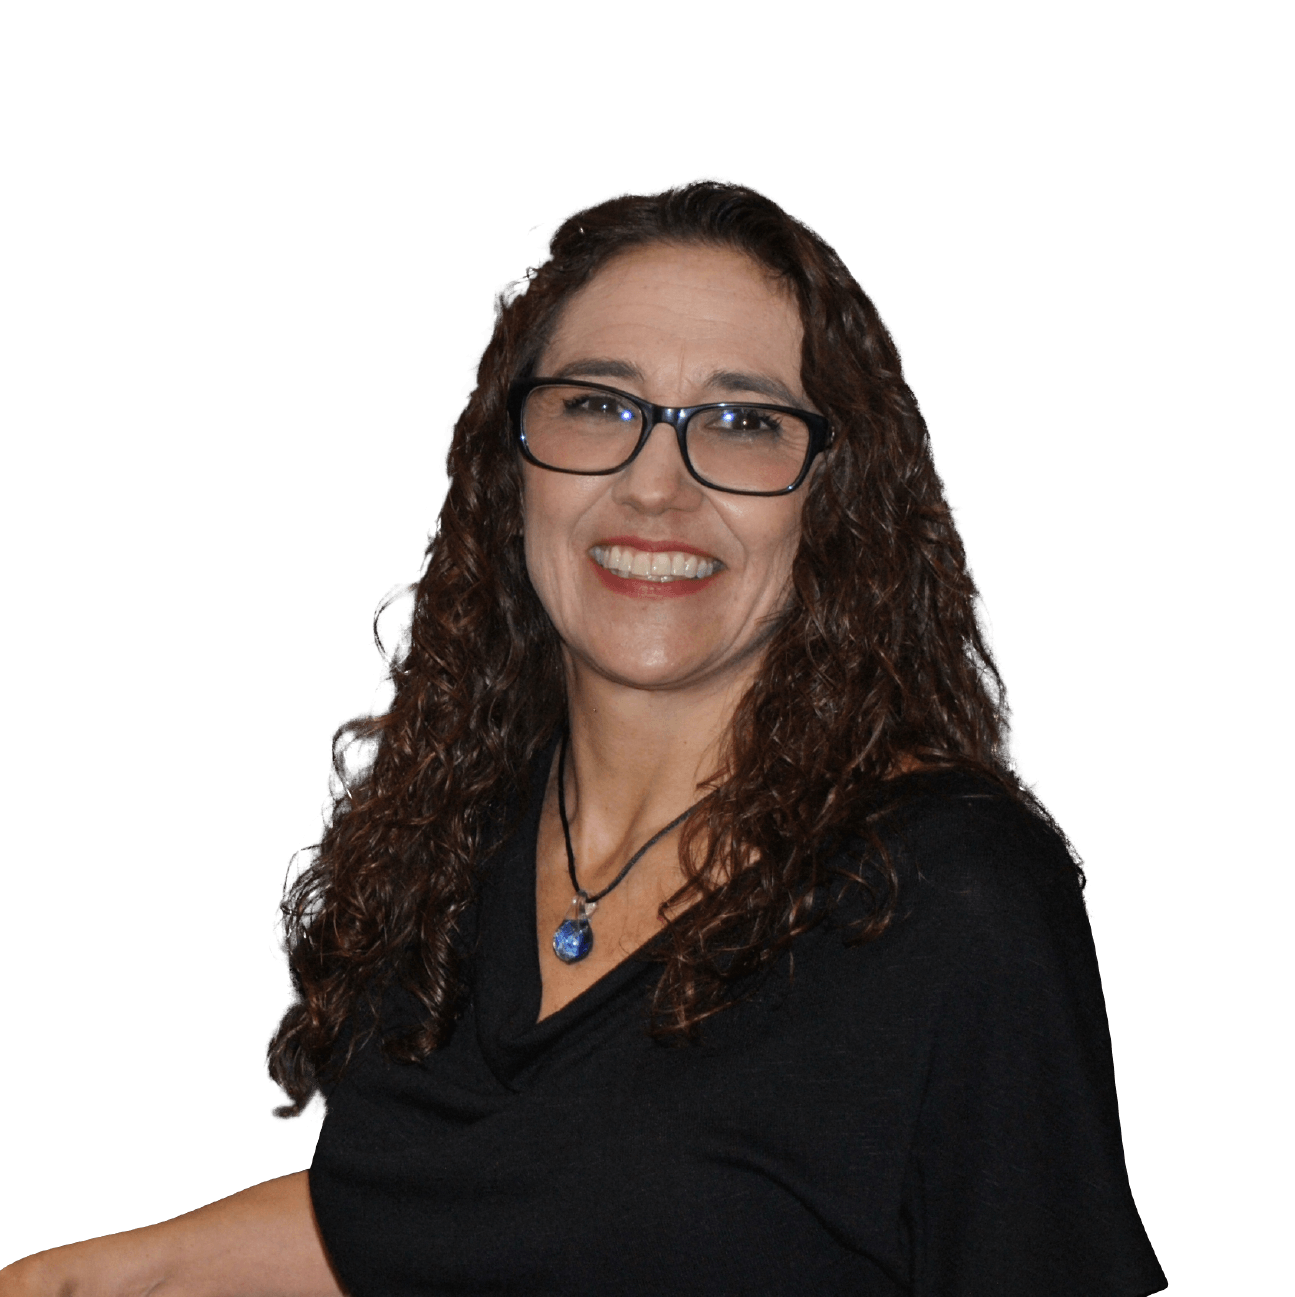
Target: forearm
262	1242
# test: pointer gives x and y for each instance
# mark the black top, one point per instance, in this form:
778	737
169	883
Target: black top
931	1113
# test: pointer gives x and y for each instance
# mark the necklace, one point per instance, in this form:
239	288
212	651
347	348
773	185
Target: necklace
574	937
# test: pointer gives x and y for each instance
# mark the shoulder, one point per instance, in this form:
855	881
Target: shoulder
961	835
983	878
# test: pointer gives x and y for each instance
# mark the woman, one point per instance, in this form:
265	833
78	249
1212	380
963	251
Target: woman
687	929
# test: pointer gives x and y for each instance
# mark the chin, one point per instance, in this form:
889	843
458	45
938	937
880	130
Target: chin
653	677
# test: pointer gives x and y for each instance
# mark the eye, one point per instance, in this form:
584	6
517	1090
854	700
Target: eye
744	421
602	406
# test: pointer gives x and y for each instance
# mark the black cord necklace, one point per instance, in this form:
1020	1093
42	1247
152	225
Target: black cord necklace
574	938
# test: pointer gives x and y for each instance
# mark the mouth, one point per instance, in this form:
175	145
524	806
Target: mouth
660	567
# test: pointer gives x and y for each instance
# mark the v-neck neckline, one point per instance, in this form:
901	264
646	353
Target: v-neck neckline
509	985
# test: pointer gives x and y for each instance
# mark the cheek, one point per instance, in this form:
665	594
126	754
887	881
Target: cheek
552	506
770	532
539	544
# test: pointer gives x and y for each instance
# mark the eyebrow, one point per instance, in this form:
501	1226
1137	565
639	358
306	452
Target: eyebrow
723	380
734	380
599	367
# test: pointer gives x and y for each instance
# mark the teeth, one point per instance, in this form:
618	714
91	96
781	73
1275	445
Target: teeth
667	565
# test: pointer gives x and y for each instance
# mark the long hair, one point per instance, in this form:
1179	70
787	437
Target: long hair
877	664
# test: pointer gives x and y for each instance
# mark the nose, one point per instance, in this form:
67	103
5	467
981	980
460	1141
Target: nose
657	478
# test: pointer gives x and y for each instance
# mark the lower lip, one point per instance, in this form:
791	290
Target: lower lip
653	589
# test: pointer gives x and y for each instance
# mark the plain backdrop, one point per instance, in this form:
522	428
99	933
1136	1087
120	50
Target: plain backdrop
248	259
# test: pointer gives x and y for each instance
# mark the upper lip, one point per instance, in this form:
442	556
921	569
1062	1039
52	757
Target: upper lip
655	546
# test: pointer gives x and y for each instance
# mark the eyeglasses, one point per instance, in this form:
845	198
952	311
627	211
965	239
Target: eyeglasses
732	446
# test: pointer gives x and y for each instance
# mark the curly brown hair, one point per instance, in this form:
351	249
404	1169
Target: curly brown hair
877	665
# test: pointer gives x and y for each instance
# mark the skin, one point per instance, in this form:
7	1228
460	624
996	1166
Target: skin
262	1242
653	679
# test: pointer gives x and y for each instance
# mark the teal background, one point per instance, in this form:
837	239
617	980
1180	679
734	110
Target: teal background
248	255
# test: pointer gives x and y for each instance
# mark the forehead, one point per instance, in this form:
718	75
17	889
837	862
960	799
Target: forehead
671	306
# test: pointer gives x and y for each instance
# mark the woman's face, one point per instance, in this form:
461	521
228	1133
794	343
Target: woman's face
677	326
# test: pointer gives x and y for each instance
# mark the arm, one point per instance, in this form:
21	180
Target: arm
1016	1181
262	1242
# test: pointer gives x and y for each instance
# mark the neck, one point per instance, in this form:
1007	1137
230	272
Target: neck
637	757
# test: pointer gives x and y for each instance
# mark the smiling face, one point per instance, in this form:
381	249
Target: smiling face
676	325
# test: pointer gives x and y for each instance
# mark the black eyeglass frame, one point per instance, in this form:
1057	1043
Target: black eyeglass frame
677	416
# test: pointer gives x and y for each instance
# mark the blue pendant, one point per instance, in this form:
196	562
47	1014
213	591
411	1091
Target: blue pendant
573	940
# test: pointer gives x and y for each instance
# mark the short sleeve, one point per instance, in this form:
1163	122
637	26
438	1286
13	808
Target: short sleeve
1016	1181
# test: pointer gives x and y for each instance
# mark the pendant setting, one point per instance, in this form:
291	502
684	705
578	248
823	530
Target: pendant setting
574	938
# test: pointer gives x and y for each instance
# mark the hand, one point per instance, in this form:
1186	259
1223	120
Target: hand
262	1242
25	1278
118	1265
60	1272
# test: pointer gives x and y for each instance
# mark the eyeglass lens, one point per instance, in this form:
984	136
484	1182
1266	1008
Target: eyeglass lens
744	448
